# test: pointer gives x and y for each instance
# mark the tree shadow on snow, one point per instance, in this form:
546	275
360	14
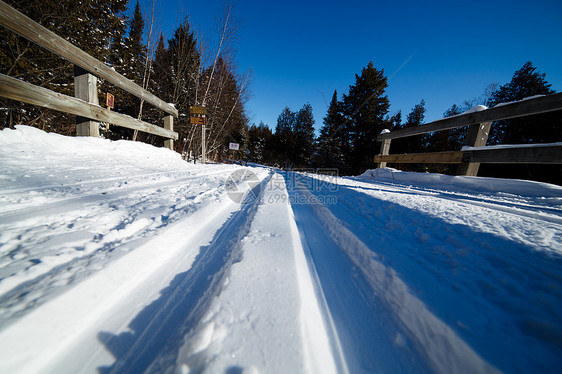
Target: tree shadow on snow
502	297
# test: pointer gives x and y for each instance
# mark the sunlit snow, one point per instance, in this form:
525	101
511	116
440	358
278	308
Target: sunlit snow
122	257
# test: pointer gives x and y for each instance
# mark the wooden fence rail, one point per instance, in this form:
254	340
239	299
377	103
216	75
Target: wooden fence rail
88	69
480	122
15	89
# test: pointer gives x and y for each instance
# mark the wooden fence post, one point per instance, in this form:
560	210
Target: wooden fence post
169	125
385	149
86	88
203	146
477	137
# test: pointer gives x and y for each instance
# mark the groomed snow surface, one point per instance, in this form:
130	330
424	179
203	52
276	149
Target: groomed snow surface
118	257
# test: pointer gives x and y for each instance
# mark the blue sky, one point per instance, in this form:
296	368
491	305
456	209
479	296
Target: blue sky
441	51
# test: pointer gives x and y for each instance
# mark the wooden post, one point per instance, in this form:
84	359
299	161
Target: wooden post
477	137
385	149
86	88
169	125
203	147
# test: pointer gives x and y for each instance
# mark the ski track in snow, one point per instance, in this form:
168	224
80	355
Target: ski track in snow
117	257
121	218
507	266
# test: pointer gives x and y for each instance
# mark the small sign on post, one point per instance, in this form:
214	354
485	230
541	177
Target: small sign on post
194	109
198	121
234	146
198	115
109	101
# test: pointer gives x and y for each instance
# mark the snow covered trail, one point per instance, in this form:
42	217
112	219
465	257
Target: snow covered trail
90	243
105	269
83	231
118	257
154	336
268	318
470	285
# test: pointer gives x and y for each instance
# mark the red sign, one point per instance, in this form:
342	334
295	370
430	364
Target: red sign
109	101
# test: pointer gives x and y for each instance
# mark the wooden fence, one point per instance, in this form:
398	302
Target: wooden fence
480	122
85	104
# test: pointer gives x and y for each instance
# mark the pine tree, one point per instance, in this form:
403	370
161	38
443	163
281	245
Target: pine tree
260	144
411	144
526	82
180	64
452	111
91	25
543	128
450	140
395	122
161	81
225	109
184	60
128	56
177	75
284	137
416	116
331	142
136	48
365	107
159	85
303	136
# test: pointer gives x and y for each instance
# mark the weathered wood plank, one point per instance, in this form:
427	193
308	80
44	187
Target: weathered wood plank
29	29
15	89
169	125
540	154
477	137
454	157
523	108
385	149
86	88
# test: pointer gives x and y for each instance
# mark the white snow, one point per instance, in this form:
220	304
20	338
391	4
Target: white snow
524	99
261	301
476	108
122	257
509	146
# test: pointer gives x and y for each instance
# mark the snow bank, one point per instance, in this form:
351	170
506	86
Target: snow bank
462	183
91	231
82	200
24	137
